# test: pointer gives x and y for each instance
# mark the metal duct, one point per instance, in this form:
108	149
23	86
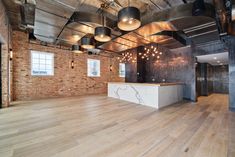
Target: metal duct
180	36
231	25
82	23
198	8
50	18
174	19
27	11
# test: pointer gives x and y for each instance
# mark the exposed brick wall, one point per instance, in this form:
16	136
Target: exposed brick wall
66	81
5	38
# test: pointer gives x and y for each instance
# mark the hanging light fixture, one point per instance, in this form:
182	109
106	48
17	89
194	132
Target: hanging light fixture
76	49
102	34
129	18
87	42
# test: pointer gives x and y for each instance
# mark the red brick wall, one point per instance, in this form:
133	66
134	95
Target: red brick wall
66	81
5	40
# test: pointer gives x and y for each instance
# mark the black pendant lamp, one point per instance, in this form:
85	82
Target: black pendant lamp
76	49
102	34
87	42
129	18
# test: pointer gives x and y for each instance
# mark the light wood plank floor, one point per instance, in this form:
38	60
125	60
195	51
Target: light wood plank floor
97	126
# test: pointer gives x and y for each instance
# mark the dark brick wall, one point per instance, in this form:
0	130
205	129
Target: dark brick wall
212	79
221	79
231	45
173	66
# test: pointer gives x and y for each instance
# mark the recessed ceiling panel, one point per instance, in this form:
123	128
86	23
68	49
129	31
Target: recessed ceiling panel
156	38
126	42
154	28
82	27
136	38
72	36
115	47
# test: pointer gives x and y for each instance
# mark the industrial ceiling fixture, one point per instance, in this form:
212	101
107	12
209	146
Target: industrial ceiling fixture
87	42
129	18
102	34
77	49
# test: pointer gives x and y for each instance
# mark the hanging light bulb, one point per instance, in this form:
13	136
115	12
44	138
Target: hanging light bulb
129	18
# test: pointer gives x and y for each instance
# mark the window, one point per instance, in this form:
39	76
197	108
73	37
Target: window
42	63
93	68
122	71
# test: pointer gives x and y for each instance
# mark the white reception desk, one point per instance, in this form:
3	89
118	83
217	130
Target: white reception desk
153	95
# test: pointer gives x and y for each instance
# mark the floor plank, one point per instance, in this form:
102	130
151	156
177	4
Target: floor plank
97	126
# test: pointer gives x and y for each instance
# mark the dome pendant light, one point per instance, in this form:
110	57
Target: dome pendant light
76	49
87	42
102	34
129	18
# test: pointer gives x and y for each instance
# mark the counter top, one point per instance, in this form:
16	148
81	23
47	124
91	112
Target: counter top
148	84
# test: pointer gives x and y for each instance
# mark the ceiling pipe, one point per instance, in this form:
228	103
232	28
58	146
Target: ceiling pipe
198	8
225	21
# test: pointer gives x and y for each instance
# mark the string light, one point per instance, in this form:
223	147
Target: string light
147	53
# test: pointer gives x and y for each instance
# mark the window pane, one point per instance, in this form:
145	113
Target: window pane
49	57
35	55
42	56
35	61
35	67
48	67
93	68
122	70
42	63
49	62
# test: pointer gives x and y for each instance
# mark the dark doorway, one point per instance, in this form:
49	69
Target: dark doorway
0	75
212	74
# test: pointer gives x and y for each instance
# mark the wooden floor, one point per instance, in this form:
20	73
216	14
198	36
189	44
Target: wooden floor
97	126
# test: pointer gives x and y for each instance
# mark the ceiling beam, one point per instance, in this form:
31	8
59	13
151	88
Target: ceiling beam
156	5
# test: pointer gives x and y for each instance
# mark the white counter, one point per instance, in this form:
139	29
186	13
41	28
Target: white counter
153	95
